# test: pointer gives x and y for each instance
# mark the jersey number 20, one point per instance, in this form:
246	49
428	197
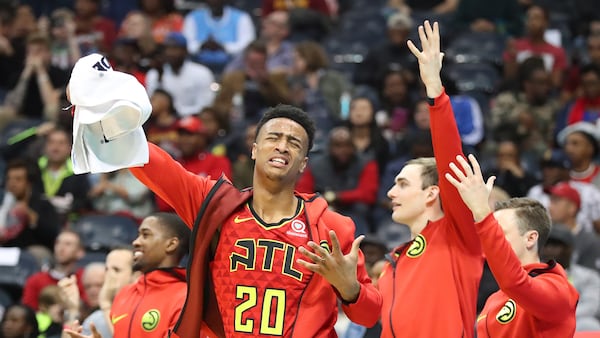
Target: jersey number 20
250	296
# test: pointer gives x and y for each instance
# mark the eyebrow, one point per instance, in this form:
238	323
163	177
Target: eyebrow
289	137
400	179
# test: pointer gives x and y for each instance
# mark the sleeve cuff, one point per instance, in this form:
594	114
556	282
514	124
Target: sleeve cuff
433	100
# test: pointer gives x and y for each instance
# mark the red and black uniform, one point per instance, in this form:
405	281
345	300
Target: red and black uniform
244	280
150	306
534	300
430	286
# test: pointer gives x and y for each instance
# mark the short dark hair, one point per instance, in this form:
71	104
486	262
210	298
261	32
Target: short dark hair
590	68
30	169
175	227
257	46
530	215
313	54
293	113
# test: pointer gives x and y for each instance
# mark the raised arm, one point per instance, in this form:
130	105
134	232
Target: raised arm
444	132
180	188
544	297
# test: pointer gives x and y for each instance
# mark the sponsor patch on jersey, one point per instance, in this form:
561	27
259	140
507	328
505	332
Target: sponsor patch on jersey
297	229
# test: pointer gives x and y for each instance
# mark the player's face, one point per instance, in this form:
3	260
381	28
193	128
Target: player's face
508	222
408	198
149	248
280	150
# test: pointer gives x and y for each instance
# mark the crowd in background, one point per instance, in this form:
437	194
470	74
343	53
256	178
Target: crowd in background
523	77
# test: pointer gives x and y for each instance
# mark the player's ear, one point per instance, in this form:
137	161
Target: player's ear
433	192
253	152
303	164
172	245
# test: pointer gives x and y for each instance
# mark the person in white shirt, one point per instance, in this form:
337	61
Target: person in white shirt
189	83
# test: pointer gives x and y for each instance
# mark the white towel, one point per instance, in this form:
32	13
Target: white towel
110	109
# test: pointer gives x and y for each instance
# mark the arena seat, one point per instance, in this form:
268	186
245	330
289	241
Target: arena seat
104	232
16	266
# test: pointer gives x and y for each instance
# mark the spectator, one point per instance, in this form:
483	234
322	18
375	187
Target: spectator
35	221
195	155
163	17
217	32
366	137
189	83
36	95
68	249
161	128
587	107
347	180
64	47
592	56
137	27
393	55
125	56
119	273
565	204
560	246
528	115
503	17
275	29
556	167
534	44
580	142
95	33
510	173
119	192
395	117
322	87
216	128
66	191
246	94
50	315
309	20
157	297
19	321
92	279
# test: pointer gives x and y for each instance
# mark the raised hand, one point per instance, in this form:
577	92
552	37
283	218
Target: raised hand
338	269
430	59
76	332
471	186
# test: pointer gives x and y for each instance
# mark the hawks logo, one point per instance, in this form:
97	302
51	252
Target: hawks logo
150	320
507	313
417	247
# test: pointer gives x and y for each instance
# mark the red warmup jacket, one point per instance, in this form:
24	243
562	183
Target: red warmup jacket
215	208
534	301
430	285
38	281
149	307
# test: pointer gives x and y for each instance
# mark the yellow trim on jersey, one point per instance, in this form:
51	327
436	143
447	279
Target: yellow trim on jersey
273	226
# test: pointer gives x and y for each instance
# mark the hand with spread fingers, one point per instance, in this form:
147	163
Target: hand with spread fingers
473	190
338	269
430	59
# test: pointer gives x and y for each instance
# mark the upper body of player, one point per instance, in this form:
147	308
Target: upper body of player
436	275
151	305
535	299
246	276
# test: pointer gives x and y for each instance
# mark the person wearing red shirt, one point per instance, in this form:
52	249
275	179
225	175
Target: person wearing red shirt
95	33
535	299
435	276
195	155
534	44
68	249
246	274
